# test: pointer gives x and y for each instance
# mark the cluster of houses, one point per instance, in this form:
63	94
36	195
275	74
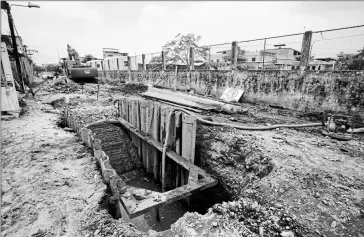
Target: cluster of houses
277	58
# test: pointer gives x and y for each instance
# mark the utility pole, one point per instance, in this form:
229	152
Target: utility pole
6	6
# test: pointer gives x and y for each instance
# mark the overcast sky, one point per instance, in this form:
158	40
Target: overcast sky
143	27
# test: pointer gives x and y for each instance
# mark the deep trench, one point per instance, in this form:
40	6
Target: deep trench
138	177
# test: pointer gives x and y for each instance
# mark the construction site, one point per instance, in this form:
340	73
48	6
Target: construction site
228	140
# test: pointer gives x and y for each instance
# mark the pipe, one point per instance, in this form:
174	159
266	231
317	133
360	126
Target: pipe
249	127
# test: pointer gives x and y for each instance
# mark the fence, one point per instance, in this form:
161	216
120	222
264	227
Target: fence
310	71
330	49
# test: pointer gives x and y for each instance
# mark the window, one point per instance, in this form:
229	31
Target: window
212	60
313	67
292	67
98	65
253	59
110	55
319	68
217	60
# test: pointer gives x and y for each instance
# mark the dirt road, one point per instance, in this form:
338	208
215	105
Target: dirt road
50	183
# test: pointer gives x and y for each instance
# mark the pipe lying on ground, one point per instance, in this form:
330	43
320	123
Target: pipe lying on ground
250	127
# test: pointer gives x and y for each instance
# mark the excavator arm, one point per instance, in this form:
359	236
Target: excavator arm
73	55
74	68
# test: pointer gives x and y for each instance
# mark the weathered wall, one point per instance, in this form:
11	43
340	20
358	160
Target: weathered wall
315	91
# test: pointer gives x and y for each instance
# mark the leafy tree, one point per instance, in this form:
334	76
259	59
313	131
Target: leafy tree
178	49
355	62
88	57
53	68
38	69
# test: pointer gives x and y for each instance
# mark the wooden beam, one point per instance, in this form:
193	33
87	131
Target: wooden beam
143	60
306	49
157	200
163	61
234	55
129	68
192	58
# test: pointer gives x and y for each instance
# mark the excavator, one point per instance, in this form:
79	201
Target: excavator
74	69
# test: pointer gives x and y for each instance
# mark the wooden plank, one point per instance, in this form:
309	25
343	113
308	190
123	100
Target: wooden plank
178	144
188	137
162	137
157	200
170	164
167	123
156	135
131	120
136	124
188	144
143	127
150	150
125	109
156	144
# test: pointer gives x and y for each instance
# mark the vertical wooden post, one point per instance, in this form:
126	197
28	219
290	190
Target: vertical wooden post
143	60
265	40
143	126
129	68
163	61
192	58
175	79
306	48
151	152
155	135
234	55
209	58
178	139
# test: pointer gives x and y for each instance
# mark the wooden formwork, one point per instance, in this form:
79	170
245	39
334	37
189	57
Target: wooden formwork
147	123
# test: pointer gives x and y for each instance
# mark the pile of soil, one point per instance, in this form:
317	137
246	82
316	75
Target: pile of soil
130	88
243	217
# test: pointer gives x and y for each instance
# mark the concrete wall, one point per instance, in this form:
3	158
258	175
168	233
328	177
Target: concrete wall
315	91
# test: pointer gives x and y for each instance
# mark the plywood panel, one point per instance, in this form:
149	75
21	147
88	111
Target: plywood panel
143	127
178	144
136	124
156	135
151	152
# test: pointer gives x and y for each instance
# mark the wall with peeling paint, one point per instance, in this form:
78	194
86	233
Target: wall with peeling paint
312	91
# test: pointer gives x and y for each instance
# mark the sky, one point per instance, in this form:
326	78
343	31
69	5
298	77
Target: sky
144	26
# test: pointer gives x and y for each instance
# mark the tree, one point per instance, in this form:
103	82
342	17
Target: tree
355	62
178	50
88	57
38	69
53	68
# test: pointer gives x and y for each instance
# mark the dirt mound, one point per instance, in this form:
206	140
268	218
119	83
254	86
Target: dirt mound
98	222
130	88
235	159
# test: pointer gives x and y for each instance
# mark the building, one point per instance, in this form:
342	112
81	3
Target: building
109	53
26	63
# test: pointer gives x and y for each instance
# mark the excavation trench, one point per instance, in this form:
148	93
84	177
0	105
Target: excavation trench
124	156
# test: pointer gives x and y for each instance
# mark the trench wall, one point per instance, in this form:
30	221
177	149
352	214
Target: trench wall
311	91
